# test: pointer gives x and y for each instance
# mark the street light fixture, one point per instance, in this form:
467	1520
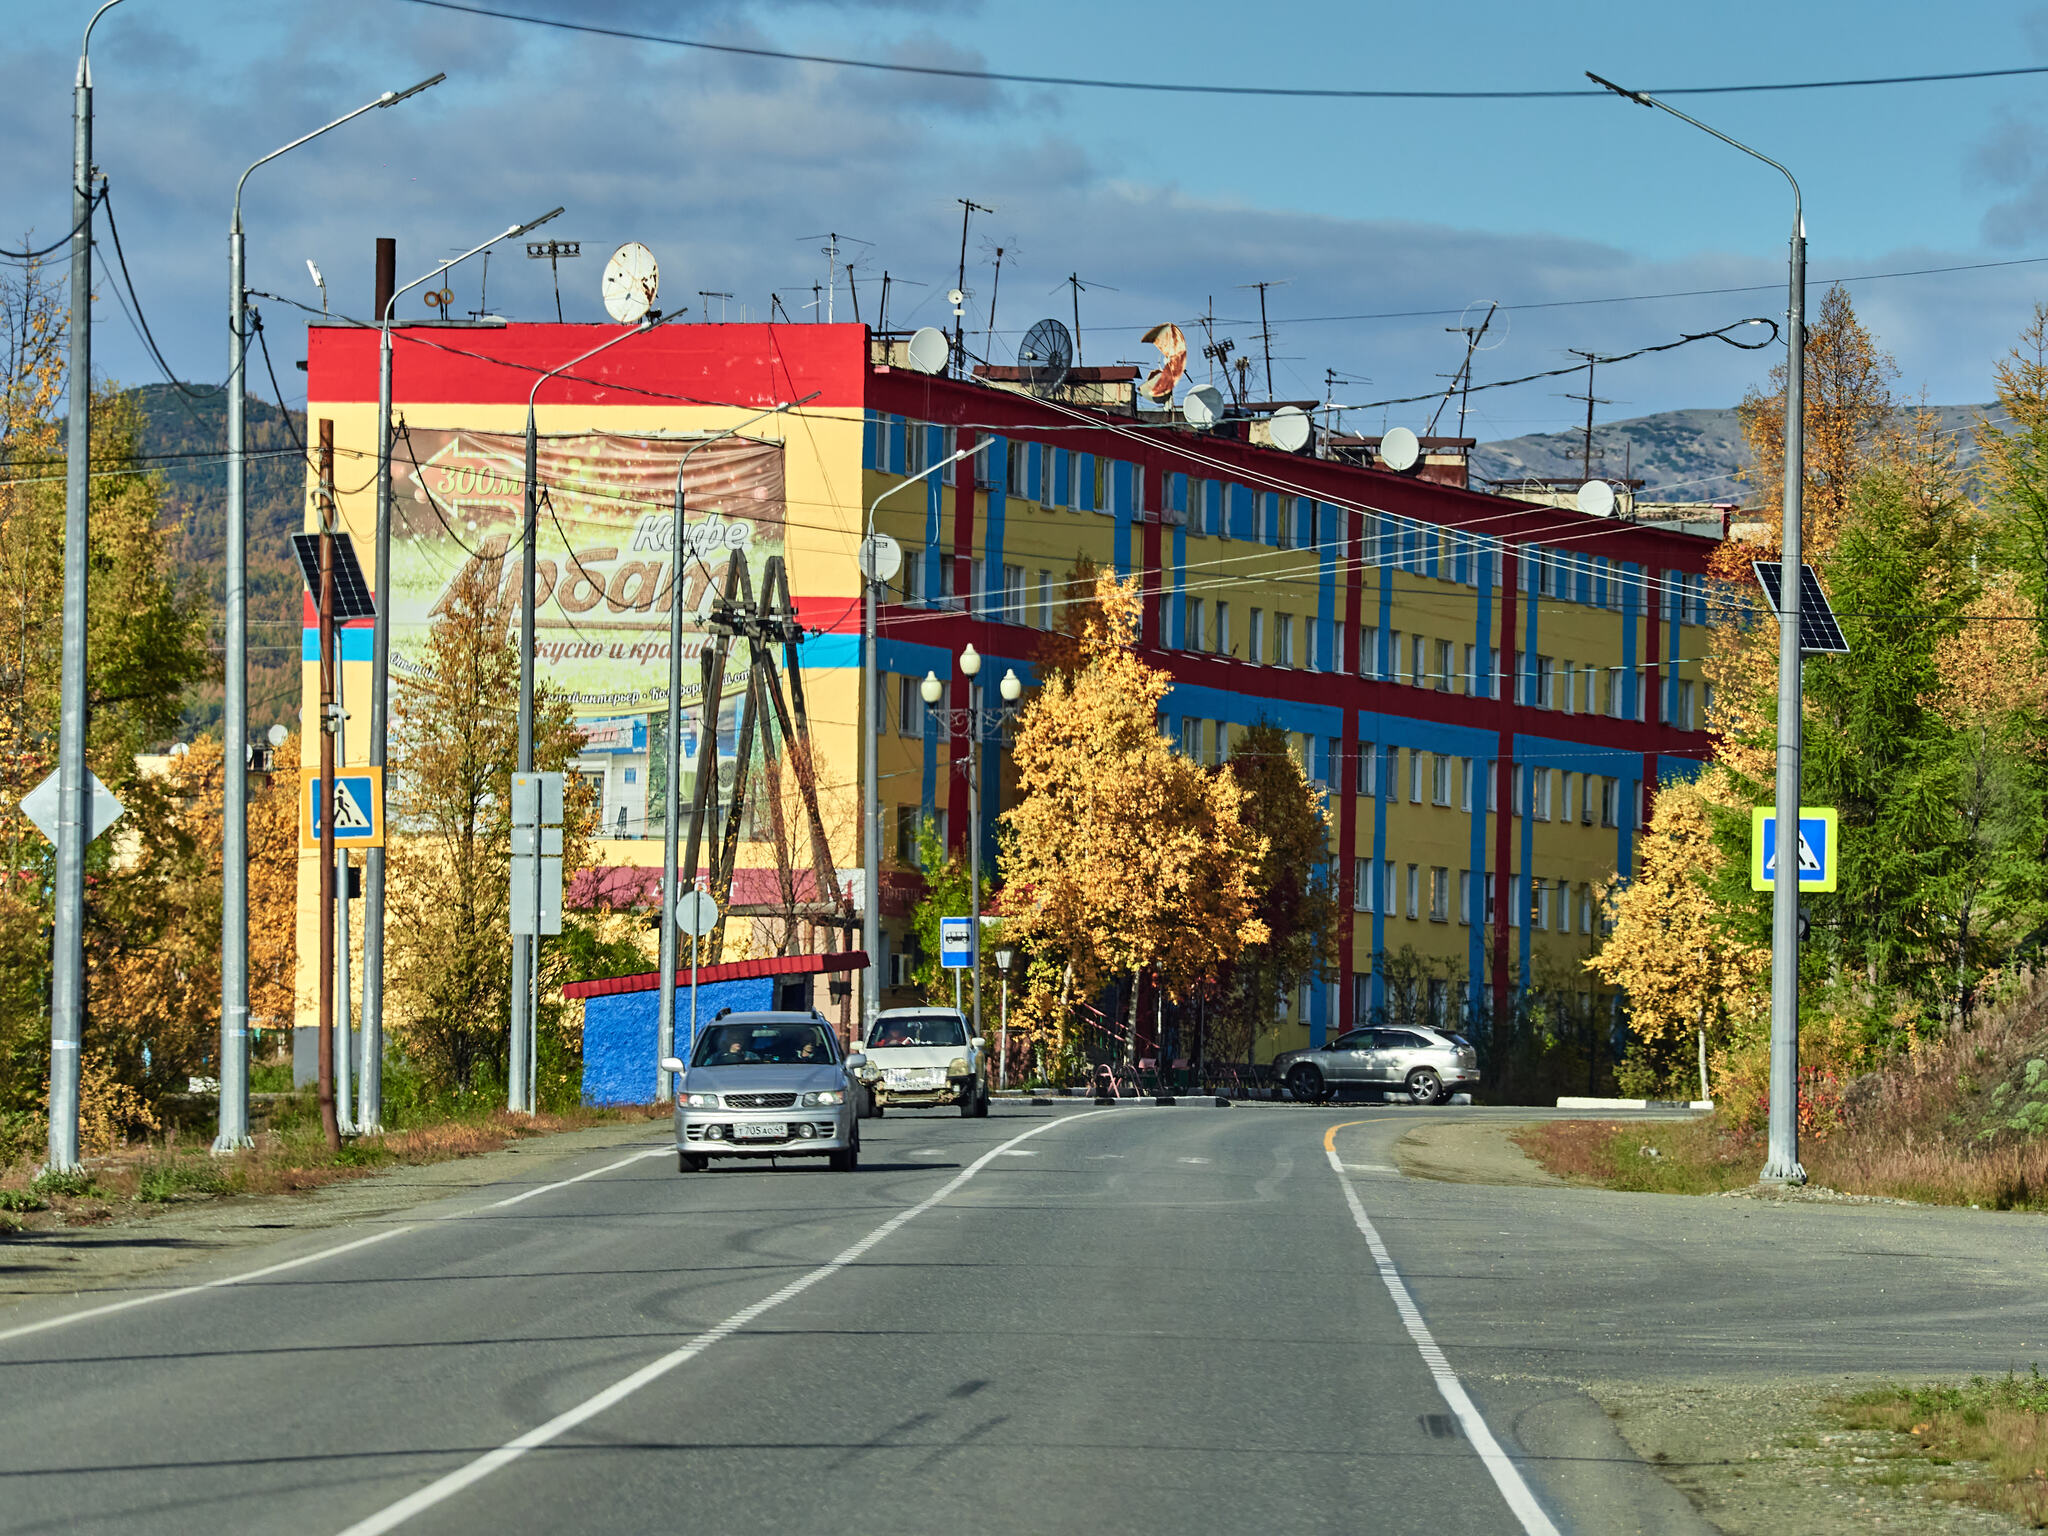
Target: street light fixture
672	746
1781	1165
370	1087
520	1089
234	957
871	715
1004	955
971	723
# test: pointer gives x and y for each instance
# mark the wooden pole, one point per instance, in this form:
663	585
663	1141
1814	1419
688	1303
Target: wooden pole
329	1124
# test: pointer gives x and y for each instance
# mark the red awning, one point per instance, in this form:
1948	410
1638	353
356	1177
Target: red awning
731	970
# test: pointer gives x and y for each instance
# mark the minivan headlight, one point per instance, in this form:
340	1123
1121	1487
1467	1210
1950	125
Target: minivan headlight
827	1096
700	1101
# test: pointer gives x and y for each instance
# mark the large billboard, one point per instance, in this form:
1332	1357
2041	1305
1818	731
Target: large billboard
604	573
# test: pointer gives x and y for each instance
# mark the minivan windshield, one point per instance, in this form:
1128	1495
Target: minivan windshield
919	1029
770	1045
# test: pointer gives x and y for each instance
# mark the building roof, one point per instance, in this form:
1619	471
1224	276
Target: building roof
731	970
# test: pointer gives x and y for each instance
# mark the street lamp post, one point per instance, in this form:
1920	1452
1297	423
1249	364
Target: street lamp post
969	722
233	1130
870	769
74	822
672	747
525	961
370	1100
1004	955
1781	1165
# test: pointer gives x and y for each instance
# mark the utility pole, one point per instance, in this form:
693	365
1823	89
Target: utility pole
968	209
330	1123
74	819
1265	330
1586	453
995	288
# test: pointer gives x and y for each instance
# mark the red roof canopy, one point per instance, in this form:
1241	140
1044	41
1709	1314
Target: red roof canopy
731	970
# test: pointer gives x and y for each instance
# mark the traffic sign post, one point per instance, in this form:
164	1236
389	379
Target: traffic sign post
696	915
1818	855
358	808
956	948
536	911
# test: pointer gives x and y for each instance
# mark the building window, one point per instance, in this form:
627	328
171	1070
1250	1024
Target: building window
1283	639
1608	800
909	706
1368	768
1222	743
1466	772
1571	791
1565	677
1440	779
1541	909
1439	895
1388	890
1396	656
1369	651
1191	738
1585	909
1545	683
1443	666
1414	776
1687	720
1045	599
1013	594
1465	898
1283	522
1361	885
1194	635
1414	893
1542	780
1393	780
1492	884
1223	629
1257	653
1419	671
1492	788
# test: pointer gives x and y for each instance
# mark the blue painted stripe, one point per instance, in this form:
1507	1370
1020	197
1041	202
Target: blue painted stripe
355	644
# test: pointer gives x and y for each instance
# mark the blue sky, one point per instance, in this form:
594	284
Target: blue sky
730	168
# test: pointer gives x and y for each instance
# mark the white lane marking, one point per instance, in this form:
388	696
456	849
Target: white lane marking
1194	1160
311	1258
1371	1168
1008	1153
444	1488
928	1152
192	1290
542	1189
1506	1476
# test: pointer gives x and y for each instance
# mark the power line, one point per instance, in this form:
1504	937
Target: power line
1186	88
99	196
142	320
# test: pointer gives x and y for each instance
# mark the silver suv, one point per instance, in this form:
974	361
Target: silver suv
1429	1063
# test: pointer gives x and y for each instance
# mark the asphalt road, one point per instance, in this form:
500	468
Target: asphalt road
1050	1320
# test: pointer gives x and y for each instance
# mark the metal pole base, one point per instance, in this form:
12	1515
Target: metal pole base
223	1145
1787	1172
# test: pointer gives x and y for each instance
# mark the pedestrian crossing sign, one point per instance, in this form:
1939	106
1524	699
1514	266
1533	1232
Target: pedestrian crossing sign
1819	848
358	808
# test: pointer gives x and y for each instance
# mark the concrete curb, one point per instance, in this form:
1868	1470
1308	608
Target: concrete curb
1581	1103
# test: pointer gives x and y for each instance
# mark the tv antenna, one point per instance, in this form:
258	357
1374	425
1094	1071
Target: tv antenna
1265	330
831	252
1461	381
1586	455
708	295
552	252
995	288
968	209
1078	284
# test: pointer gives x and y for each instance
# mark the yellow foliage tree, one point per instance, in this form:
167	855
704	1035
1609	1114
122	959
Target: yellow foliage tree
1120	854
1683	973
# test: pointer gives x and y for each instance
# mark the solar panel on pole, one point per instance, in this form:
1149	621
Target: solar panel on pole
353	598
1819	632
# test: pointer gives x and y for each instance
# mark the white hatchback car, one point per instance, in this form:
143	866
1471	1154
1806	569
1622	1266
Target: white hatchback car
919	1058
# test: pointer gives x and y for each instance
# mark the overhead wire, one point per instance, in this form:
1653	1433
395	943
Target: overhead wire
142	320
97	197
1007	77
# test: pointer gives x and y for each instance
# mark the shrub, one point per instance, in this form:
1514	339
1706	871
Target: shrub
168	1180
73	1184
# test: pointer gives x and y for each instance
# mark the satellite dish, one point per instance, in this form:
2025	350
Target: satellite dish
631	281
1399	450
278	735
929	350
1202	406
1046	356
955	297
1288	428
1173	355
1596	499
881	557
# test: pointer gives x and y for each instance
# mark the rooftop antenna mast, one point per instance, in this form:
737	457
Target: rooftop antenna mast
995	288
1586	456
708	295
853	290
968	209
1265	330
553	252
1461	381
1077	284
775	308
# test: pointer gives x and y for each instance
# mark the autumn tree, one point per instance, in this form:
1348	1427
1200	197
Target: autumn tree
454	747
1120	856
1672	951
1291	883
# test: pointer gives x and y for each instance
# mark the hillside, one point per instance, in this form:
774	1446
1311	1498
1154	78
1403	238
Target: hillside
1689	455
195	503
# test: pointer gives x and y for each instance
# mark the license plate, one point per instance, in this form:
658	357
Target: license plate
761	1130
904	1079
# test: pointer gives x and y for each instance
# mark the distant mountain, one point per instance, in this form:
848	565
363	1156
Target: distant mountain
1681	455
185	438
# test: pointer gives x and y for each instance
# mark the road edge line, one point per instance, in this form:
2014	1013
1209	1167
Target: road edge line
48	1323
1521	1500
452	1483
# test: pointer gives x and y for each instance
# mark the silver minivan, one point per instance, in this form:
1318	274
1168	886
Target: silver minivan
767	1085
1430	1064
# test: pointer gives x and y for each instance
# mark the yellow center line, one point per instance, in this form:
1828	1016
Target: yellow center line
1330	1136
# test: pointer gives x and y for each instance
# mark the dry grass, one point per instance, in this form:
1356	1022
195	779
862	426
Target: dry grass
1664	1157
2000	1423
281	1162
